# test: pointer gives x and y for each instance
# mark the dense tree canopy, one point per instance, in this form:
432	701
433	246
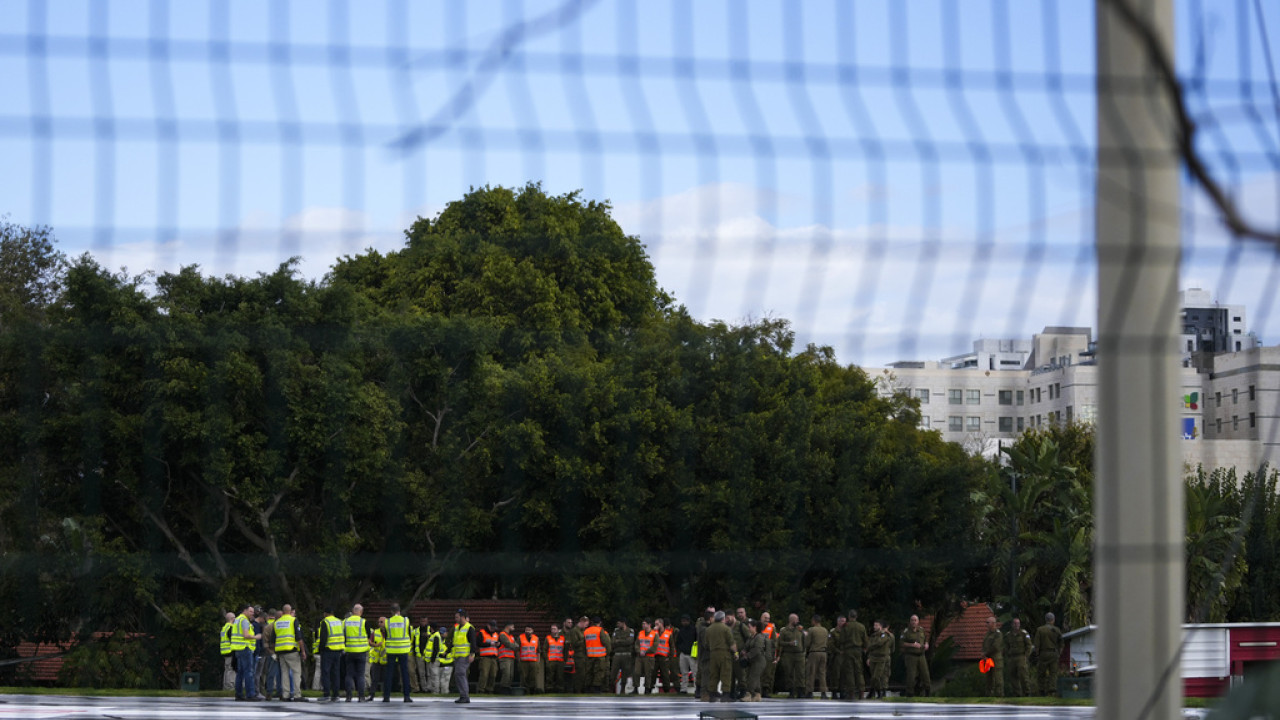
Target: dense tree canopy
507	406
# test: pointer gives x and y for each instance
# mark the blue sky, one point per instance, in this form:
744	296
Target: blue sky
898	178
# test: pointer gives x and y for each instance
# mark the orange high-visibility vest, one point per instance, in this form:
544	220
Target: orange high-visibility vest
505	652
487	650
595	648
663	647
769	631
529	648
569	663
555	648
644	641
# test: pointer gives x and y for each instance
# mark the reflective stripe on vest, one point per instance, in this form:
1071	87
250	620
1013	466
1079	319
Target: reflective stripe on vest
444	656
663	648
555	649
398	638
486	648
378	649
238	640
335	641
356	634
505	651
285	639
595	648
529	648
315	642
461	644
644	641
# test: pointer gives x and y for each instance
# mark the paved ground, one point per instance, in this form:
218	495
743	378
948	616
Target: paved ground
489	708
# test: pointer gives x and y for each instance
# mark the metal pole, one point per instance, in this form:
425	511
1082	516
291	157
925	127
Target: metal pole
1138	484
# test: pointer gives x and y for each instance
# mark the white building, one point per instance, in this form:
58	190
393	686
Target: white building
1230	401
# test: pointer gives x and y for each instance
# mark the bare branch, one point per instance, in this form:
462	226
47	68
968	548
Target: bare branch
502	503
1159	57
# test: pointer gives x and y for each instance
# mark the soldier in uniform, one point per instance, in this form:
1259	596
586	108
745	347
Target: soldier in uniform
791	655
855	645
1047	646
738	624
993	650
722	648
879	652
816	658
624	640
770	634
704	658
914	643
578	643
754	655
1017	648
835	657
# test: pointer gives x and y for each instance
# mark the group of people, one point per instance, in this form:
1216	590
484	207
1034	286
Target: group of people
719	657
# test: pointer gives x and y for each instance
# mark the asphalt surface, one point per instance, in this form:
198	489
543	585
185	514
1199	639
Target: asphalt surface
490	708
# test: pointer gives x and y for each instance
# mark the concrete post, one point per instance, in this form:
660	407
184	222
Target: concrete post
1138	498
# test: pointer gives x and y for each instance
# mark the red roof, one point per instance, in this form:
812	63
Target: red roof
968	630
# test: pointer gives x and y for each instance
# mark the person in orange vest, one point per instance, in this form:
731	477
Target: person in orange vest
770	633
598	645
663	650
553	657
644	658
530	661
507	648
488	654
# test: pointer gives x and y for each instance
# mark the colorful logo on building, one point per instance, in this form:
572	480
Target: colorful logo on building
1188	428
1191	402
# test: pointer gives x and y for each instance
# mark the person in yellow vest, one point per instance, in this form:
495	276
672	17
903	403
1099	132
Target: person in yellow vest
421	633
243	639
224	647
399	642
355	656
530	646
463	647
377	659
439	661
553	656
289	653
332	643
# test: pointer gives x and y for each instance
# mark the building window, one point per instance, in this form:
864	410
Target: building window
1006	424
1019	395
955	397
1021	424
925	422
923	394
973	423
1188	346
955	423
1251	394
1069	413
1235	422
1050	392
973	397
1253	420
1217	398
1006	397
1057	390
1218	422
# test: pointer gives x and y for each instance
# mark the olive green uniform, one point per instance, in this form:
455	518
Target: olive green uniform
917	665
879	652
1017	648
740	637
816	660
1047	647
578	642
791	661
993	648
852	648
756	656
720	648
623	660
